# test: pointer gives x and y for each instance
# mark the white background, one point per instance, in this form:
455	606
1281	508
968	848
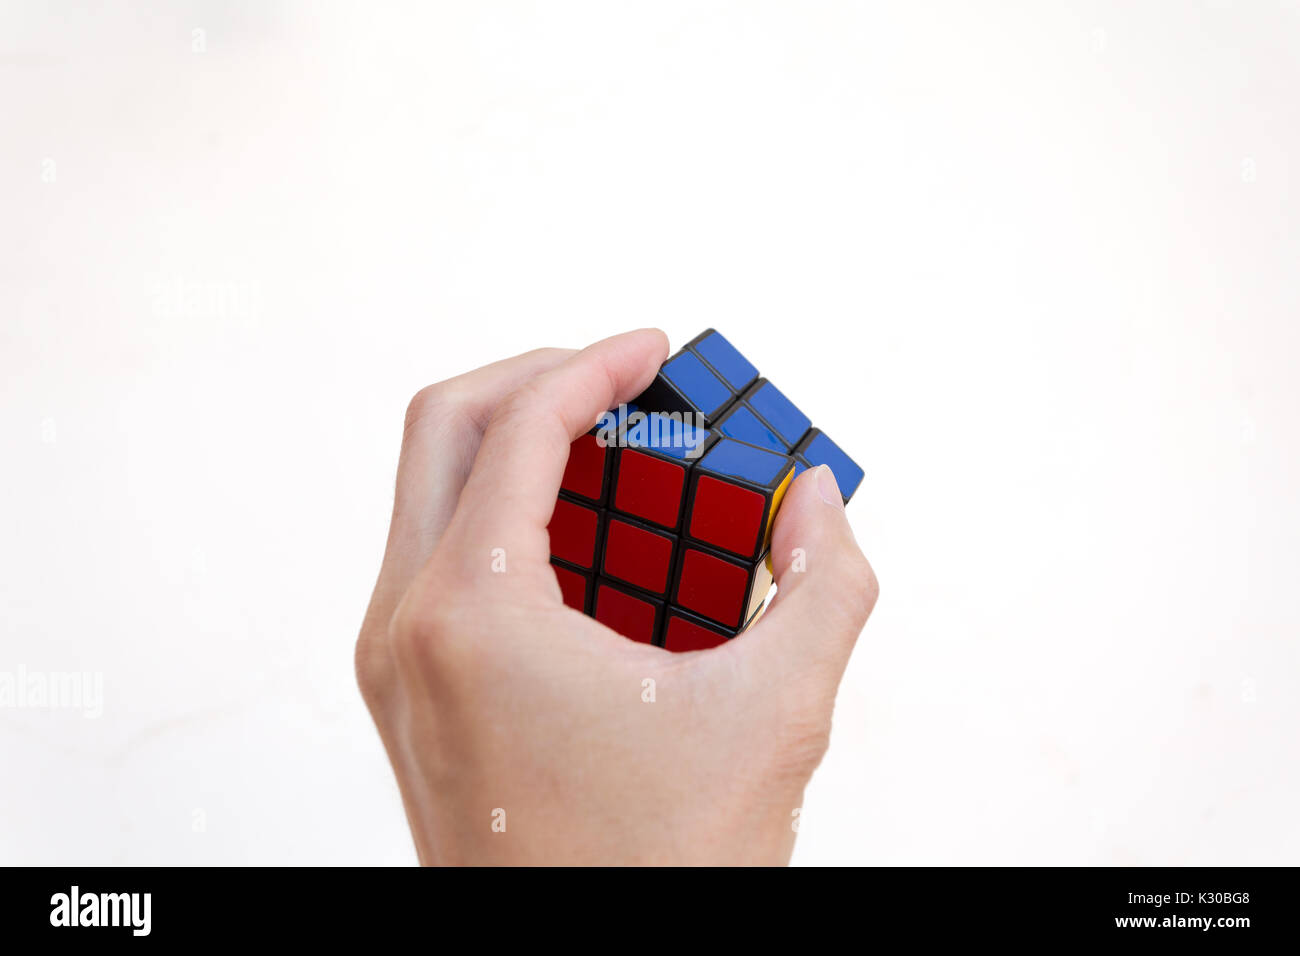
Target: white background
1034	265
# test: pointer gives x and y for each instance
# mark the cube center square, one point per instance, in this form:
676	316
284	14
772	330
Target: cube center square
638	555
664	518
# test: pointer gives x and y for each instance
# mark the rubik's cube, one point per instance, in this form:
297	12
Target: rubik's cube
663	524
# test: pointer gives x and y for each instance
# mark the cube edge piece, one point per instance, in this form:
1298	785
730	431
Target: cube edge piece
748	398
644	527
665	395
601	518
694	346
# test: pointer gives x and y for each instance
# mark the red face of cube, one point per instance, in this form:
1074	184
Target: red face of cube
573	587
638	556
630	616
649	487
727	516
684	635
573	533
585	472
713	587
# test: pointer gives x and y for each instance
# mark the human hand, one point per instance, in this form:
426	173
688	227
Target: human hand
501	707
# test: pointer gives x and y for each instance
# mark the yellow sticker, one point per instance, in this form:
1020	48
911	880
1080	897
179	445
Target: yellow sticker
776	503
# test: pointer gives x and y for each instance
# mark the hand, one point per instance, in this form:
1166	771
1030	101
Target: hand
500	707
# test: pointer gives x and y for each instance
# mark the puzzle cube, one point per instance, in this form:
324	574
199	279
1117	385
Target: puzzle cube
663	523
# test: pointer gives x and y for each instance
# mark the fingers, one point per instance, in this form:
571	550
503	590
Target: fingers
825	587
444	425
507	501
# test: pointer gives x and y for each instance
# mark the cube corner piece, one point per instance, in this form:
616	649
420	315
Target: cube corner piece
816	448
735	491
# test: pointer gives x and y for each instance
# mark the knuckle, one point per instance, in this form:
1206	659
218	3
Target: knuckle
414	630
861	590
371	658
427	628
433	402
519	410
369	670
804	735
522	400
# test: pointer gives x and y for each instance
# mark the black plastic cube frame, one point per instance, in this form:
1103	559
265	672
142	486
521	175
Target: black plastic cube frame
589	576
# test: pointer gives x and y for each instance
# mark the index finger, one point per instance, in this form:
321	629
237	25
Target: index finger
510	494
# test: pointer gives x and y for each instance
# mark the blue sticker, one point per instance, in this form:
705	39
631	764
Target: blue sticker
739	460
743	425
730	364
822	451
693	379
781	413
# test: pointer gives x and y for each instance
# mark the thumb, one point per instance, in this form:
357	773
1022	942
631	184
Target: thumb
825	586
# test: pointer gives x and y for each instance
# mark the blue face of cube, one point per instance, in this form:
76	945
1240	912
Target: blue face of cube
781	413
693	379
664	433
822	451
729	363
742	424
733	458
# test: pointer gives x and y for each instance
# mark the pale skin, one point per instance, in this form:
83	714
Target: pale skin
498	705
